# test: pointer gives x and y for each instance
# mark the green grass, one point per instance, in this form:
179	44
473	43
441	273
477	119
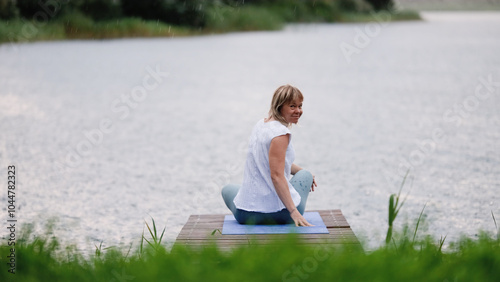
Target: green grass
26	31
226	18
394	207
44	259
407	258
77	26
404	15
155	241
84	28
455	5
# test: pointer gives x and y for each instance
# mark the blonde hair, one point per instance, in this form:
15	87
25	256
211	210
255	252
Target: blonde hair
283	95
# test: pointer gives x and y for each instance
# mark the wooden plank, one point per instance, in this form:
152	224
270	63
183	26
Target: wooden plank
202	234
198	229
332	234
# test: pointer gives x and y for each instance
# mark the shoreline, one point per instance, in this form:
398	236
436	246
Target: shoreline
447	5
22	31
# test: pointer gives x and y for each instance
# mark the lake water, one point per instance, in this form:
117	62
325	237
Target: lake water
105	134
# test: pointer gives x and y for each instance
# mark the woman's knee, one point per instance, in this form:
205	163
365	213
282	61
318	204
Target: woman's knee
230	191
304	176
304	173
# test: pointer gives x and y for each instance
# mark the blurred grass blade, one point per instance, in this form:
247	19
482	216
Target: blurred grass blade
441	242
155	243
496	226
394	207
418	223
98	250
391	218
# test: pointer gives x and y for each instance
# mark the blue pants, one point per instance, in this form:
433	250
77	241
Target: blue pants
301	181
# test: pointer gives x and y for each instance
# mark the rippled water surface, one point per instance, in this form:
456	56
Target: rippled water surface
105	134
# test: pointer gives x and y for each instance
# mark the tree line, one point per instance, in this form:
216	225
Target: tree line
190	13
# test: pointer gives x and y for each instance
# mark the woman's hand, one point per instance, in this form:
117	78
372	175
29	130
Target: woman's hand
313	184
299	219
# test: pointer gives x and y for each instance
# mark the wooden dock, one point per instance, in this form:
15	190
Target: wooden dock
199	228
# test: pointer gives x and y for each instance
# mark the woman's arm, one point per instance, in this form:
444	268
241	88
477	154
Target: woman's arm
277	154
295	168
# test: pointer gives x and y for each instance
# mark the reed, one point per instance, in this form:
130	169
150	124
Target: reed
156	238
418	223
394	207
441	243
496	226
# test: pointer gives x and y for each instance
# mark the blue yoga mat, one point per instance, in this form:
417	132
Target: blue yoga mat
232	227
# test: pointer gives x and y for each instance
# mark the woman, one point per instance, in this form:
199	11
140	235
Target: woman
268	195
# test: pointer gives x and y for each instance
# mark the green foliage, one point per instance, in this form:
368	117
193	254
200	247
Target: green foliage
44	10
222	18
304	11
186	12
76	23
347	5
100	10
379	5
17	30
8	10
28	8
468	259
42	258
99	19
356	6
323	11
72	25
405	15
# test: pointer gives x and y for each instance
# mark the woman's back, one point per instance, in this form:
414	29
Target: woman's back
257	192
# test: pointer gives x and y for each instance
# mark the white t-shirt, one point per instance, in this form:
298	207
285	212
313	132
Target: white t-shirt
257	193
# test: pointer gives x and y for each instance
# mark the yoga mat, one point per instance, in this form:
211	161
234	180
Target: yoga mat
232	227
